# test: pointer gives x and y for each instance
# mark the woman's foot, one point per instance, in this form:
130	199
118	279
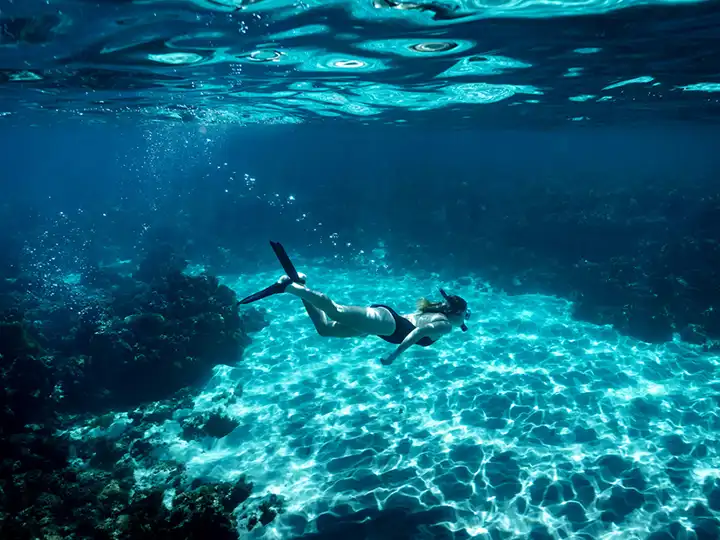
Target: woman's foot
285	280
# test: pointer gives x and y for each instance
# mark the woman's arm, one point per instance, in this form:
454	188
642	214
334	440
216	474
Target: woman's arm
434	330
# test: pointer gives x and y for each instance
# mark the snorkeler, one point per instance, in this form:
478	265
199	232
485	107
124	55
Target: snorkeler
429	323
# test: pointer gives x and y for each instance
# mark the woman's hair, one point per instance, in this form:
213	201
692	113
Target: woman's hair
451	305
426	306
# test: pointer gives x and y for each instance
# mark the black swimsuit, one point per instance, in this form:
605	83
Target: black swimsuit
402	328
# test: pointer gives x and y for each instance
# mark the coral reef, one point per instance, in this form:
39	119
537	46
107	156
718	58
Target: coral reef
215	424
45	497
152	341
139	342
140	338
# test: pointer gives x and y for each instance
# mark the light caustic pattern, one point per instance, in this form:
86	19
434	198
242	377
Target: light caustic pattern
530	421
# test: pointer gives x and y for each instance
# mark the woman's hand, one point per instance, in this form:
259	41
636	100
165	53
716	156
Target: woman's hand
387	360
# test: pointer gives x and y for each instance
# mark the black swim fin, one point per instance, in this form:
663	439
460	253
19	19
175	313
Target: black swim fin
275	288
285	261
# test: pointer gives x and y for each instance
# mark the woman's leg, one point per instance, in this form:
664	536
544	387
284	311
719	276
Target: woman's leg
366	320
326	328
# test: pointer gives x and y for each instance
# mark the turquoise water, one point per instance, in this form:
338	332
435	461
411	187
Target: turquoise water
528	406
549	146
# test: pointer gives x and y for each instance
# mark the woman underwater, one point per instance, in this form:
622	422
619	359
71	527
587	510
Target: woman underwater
428	324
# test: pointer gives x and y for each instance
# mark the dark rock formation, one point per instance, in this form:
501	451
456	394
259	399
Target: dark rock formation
83	486
215	424
128	341
152	341
263	513
125	342
197	513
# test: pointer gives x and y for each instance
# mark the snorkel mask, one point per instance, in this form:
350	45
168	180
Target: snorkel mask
457	306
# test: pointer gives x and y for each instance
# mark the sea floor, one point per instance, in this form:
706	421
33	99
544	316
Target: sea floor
530	424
